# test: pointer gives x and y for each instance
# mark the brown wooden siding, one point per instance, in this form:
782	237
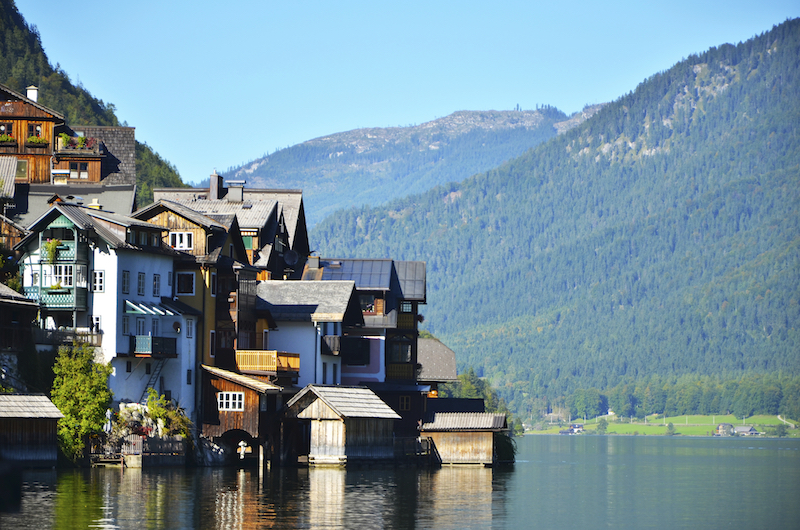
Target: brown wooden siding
176	223
94	169
216	422
463	447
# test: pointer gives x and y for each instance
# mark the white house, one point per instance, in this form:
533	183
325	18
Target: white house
106	279
310	317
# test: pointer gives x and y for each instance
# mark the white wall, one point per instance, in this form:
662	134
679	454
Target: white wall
304	338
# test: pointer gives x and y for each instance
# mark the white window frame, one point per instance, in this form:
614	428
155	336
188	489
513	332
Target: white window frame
98	281
181	240
64	275
156	285
79	170
230	401
126	325
126	282
189	328
178	283
140	284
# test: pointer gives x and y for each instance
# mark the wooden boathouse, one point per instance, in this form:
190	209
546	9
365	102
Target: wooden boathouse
346	424
464	437
28	427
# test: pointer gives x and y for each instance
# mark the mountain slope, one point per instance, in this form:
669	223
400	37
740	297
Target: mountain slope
23	62
661	236
372	166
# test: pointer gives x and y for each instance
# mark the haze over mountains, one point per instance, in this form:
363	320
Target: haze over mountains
659	237
373	166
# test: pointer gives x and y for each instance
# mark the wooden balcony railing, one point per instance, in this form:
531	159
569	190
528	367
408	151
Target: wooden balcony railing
267	361
400	371
67	336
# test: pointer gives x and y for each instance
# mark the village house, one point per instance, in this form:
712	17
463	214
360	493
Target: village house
464	437
41	155
106	279
272	222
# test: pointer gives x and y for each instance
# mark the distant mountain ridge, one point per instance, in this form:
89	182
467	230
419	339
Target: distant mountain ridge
374	165
659	238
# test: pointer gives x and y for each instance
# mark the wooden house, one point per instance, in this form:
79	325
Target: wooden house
464	437
346	424
272	222
28	427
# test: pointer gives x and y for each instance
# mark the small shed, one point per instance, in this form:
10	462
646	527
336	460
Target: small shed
464	437
347	423
28	427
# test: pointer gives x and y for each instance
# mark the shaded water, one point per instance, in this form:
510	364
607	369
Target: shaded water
558	482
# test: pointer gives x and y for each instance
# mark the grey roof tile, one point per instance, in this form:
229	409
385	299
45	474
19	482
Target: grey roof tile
28	406
349	401
464	421
306	301
437	360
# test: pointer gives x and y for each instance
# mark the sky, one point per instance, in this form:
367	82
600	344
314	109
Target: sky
214	85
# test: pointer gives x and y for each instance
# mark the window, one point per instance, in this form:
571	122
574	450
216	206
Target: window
131	237
406	307
265	339
140	326
98	281
155	327
126	325
181	240
213	284
400	352
35	129
324	373
188	377
140	284
405	403
189	328
96	323
355	351
22	169
7	129
156	285
126	282
212	344
185	281
371	304
63	275
78	170
147	368
128	366
155	240
230	401
143	237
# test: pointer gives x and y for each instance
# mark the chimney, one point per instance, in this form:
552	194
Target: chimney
235	191
33	93
215	187
313	262
95	204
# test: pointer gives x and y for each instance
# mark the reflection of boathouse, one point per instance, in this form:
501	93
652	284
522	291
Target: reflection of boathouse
346	423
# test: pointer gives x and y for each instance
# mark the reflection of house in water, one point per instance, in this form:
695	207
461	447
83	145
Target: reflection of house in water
326	499
446	491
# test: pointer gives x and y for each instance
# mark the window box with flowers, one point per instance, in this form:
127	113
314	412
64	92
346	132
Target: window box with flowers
36	141
7	141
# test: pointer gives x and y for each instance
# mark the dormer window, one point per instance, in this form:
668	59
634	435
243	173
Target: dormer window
181	240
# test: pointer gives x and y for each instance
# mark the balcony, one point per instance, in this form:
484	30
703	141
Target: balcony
331	344
56	337
276	362
147	346
400	371
67	298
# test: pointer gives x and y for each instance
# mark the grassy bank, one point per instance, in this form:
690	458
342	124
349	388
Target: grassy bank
684	425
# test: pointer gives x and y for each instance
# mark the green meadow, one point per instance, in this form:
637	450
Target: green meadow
694	425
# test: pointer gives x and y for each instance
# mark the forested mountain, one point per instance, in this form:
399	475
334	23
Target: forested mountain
373	166
659	238
23	63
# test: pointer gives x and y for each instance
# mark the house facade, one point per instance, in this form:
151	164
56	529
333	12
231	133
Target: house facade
107	280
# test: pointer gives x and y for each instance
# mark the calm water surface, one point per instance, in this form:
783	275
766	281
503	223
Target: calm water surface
557	482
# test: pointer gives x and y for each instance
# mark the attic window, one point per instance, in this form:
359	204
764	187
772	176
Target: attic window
181	240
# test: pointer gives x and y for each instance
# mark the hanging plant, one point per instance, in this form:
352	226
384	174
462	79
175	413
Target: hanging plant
51	250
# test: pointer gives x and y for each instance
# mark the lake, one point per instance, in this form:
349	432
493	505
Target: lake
557	482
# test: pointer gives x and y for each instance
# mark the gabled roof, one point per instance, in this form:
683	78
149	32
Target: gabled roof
16	95
89	219
10	296
349	401
368	274
31	200
251	215
464	421
411	275
28	406
289	300
437	360
252	383
192	215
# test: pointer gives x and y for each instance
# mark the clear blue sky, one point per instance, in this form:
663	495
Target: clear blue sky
210	85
